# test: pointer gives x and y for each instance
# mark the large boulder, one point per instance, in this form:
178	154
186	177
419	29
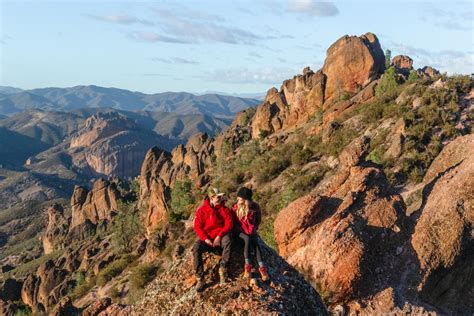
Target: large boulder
351	63
344	238
444	232
402	63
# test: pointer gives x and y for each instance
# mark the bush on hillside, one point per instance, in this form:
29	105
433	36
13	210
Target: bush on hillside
387	86
182	198
126	226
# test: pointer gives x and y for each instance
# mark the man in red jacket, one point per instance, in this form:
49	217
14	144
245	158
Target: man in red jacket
212	224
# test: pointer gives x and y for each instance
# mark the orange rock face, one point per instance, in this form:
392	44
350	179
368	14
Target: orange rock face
351	63
339	236
443	236
95	205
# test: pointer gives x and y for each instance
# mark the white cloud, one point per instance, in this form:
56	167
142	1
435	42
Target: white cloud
120	19
195	27
175	60
152	37
313	7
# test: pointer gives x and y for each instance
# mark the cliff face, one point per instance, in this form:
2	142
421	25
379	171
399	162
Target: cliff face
112	144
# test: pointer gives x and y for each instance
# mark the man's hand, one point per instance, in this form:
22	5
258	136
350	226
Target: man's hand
208	241
217	241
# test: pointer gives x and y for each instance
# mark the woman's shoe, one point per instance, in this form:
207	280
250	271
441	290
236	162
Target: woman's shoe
263	273
247	270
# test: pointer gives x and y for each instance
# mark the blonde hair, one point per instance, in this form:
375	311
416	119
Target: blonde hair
243	208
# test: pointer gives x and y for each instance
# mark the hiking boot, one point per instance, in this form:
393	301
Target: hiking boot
263	273
200	285
222	275
247	270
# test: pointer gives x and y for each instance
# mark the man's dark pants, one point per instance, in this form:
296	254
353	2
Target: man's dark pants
201	247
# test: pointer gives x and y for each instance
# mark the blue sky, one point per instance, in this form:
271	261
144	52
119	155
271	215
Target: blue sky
227	46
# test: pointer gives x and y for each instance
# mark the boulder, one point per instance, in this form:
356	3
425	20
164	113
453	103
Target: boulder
452	154
366	60
428	71
443	236
344	233
402	64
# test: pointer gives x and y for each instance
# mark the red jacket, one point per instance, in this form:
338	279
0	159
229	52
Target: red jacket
248	225
211	222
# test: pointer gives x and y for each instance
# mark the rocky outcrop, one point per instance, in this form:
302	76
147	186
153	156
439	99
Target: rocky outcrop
443	236
160	170
304	96
345	236
366	60
112	144
42	290
56	230
454	153
173	291
402	64
428	72
95	205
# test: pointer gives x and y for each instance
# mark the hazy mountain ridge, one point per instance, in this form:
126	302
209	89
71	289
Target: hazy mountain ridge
66	99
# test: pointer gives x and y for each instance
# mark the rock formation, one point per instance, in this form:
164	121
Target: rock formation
302	97
366	60
443	236
161	169
56	229
42	290
347	232
402	63
96	205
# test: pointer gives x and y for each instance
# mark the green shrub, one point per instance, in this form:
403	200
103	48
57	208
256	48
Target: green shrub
413	76
83	288
269	169
387	86
126	226
114	269
114	293
182	198
142	275
460	83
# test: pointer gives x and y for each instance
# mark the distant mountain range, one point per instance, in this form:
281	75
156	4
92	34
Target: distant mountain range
13	100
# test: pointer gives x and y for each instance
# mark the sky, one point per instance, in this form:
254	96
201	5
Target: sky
226	46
